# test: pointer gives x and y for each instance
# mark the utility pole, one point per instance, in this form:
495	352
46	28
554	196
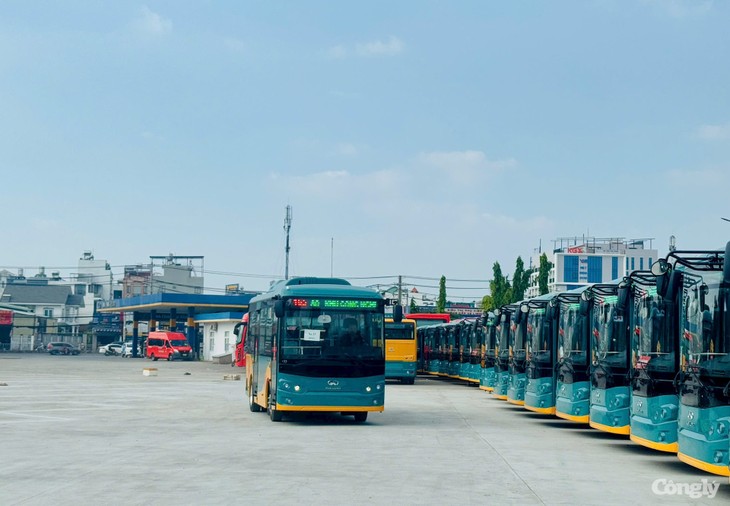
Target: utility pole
287	227
400	288
332	256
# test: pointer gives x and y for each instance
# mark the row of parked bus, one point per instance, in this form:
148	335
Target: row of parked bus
646	356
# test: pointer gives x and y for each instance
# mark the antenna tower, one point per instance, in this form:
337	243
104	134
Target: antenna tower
287	227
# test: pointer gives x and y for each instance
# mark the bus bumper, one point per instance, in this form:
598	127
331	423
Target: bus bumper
654	422
572	401
539	396
707	450
609	410
516	389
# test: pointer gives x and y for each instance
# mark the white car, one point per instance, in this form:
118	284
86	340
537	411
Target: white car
111	349
127	349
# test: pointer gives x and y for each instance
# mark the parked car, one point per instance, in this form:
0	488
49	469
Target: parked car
127	349
111	349
62	349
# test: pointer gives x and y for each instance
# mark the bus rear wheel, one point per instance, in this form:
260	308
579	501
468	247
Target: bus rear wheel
360	416
255	408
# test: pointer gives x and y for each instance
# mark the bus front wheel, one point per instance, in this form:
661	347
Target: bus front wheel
273	413
360	416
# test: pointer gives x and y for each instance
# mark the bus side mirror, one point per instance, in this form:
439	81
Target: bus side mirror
397	313
237	329
584	307
279	308
662	270
671	285
623	294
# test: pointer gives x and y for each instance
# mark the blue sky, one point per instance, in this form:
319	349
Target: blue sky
420	138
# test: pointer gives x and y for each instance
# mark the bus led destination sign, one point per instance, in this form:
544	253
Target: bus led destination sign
334	304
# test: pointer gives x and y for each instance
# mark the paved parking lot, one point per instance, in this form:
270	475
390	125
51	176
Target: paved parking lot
93	430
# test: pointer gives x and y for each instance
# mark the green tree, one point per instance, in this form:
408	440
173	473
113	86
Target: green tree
441	302
413	307
500	287
543	273
487	303
519	281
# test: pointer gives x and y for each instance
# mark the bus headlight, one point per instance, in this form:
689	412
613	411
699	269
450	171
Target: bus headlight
297	388
368	389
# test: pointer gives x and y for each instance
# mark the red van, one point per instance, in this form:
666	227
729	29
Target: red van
168	345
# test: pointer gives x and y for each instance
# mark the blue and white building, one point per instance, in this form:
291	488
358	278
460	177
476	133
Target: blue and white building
580	261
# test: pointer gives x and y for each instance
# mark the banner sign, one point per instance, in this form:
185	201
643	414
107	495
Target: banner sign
6	317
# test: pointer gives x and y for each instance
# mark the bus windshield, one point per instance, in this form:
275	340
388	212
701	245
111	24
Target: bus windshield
403	330
704	335
571	341
475	336
606	332
651	324
503	336
517	339
537	336
311	334
490	339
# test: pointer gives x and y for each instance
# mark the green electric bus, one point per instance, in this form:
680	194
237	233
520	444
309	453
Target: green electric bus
610	401
703	416
316	344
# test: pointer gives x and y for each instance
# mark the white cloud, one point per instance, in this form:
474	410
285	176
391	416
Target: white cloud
465	166
510	222
345	149
391	47
235	45
151	23
341	184
345	94
337	52
714	132
682	8
703	178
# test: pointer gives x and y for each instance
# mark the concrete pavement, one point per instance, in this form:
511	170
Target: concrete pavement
93	430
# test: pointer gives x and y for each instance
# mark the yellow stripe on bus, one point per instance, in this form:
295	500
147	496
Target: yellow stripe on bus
284	407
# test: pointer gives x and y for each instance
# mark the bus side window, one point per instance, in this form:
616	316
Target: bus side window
267	326
249	346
